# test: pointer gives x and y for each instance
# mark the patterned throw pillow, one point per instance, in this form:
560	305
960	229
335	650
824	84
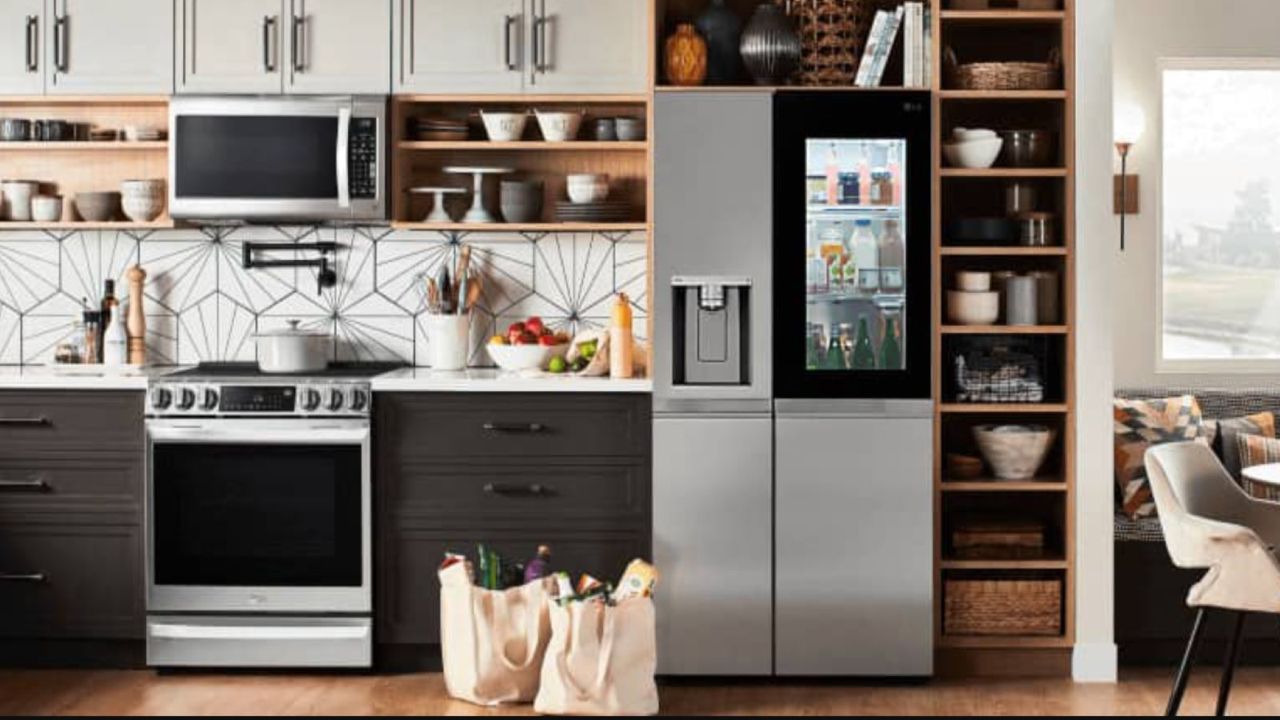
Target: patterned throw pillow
1258	450
1223	434
1140	424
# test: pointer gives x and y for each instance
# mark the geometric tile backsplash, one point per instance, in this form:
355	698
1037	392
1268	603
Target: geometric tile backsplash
202	305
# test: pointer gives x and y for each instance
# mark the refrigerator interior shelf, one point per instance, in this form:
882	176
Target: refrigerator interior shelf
839	210
880	300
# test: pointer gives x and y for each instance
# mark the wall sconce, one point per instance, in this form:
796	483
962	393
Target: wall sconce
1130	122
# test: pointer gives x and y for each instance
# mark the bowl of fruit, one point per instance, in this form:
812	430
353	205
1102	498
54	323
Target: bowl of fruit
528	345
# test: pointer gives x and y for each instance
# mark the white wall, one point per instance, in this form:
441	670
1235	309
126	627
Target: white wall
1147	30
1095	652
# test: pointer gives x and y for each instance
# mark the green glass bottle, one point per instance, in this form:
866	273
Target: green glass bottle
890	348
835	352
864	356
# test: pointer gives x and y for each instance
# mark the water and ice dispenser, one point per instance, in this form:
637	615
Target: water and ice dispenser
711	320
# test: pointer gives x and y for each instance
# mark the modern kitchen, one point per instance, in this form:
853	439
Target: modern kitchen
335	336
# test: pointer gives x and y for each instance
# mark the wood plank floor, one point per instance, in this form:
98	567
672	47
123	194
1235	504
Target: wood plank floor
144	693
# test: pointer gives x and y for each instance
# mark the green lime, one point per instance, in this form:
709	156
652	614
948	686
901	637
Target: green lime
557	365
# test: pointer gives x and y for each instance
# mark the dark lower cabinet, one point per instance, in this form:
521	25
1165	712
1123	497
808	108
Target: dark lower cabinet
513	471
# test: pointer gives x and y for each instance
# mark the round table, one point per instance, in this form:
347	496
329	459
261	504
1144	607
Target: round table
1268	475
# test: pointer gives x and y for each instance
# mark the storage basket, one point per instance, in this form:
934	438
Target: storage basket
831	38
995	539
1000	370
1005	75
1002	607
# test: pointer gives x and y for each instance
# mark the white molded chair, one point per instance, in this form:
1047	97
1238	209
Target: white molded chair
1210	523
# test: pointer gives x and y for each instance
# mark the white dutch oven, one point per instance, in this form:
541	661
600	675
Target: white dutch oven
292	350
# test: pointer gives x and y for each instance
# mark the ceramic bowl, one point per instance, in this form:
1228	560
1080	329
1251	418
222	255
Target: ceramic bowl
630	129
973	308
587	188
969	134
521	200
523	358
1014	452
504	127
17	196
559	126
14	129
46	208
97	206
974	154
142	200
969	281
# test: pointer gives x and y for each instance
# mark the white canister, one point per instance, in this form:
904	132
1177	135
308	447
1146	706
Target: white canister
17	196
449	339
1020	301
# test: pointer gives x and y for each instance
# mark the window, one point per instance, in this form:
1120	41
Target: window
1220	255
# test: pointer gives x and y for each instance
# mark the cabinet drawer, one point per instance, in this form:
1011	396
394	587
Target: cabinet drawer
70	423
80	582
521	494
517	425
409	596
70	485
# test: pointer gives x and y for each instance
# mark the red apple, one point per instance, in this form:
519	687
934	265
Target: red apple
535	325
516	328
527	338
548	341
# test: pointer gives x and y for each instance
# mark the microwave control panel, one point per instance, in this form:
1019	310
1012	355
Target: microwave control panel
363	158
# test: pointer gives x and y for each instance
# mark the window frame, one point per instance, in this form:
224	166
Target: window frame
1163	365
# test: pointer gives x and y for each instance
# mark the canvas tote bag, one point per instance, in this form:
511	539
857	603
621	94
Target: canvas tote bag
491	641
601	660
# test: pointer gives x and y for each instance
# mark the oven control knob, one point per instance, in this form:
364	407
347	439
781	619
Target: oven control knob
359	400
335	400
186	399
210	399
161	398
310	399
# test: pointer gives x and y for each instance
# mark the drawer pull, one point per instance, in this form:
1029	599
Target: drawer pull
25	422
33	485
23	577
534	490
514	427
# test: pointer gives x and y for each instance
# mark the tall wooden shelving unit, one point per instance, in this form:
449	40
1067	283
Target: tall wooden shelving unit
1006	35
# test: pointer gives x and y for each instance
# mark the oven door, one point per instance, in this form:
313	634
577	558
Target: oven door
262	158
258	516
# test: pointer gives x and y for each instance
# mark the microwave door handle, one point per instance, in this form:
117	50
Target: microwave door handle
344	157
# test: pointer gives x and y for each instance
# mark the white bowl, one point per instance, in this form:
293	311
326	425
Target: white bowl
587	188
974	154
968	134
973	308
1014	452
968	281
521	358
504	127
559	126
46	208
142	200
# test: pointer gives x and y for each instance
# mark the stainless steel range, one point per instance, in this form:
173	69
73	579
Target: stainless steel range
258	518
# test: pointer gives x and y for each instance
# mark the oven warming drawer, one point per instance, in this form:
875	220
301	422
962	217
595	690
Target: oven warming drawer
259	642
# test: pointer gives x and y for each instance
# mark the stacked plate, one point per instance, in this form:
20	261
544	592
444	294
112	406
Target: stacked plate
438	129
595	212
142	133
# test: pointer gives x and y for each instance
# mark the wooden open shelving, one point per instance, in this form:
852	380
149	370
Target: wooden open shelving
1004	329
563	227
991	485
116	146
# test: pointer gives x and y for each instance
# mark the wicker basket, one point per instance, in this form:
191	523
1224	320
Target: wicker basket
1002	607
830	39
1005	75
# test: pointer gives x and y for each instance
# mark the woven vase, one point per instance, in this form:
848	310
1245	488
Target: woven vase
686	57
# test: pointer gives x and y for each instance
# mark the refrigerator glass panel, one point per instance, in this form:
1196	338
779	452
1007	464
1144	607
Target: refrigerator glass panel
855	254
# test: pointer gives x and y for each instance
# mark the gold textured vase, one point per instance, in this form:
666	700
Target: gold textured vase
686	57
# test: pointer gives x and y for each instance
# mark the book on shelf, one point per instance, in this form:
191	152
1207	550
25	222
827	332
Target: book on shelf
884	30
915	46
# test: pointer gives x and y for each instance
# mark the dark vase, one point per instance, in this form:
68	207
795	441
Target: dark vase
770	46
723	32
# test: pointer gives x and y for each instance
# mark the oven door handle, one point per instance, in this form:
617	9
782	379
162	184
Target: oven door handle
205	435
171	631
344	157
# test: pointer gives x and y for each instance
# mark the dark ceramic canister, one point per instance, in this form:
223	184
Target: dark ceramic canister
722	30
770	46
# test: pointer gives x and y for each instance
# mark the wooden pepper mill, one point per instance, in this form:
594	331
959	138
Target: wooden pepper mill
137	321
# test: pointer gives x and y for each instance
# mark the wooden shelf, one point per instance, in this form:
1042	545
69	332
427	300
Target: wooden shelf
1002	408
522	227
107	146
1003	172
997	486
1000	641
1004	16
782	88
1047	564
522	99
1002	94
87	225
111	100
529	146
1004	329
1001	251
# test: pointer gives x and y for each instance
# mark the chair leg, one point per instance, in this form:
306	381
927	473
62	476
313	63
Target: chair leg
1229	665
1184	670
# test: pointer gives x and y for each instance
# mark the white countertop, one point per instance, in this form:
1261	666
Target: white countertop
79	377
490	380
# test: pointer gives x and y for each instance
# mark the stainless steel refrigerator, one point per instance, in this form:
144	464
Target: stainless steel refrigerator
793	514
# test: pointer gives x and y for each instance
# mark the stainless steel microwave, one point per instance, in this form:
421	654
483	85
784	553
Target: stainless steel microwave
278	158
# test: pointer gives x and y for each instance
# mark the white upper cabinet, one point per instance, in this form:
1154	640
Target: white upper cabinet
21	47
339	47
109	47
232	46
447	46
589	46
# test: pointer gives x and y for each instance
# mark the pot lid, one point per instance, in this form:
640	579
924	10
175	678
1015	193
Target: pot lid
292	331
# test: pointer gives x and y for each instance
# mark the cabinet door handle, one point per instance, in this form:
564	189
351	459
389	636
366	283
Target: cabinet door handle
299	41
61	37
23	577
535	489
35	484
25	422
514	427
33	39
540	45
268	55
508	23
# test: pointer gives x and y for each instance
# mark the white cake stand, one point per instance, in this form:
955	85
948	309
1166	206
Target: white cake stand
438	213
477	214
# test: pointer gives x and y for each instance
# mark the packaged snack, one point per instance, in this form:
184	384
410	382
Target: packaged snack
638	580
586	584
540	566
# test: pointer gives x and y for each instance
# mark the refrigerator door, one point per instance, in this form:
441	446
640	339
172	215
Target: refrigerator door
851	245
712	540
854	580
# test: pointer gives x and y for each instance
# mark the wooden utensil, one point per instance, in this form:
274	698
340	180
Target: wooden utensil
473	292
